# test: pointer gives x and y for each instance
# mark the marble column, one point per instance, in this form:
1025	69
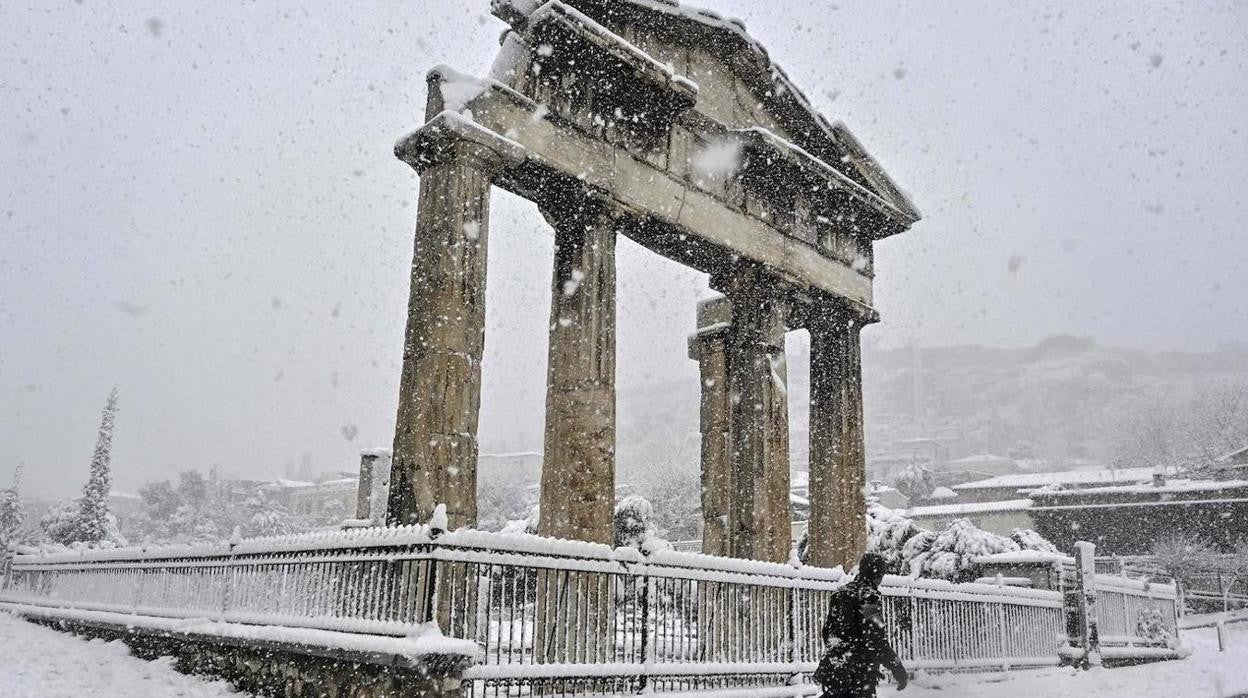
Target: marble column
760	516
578	465
837	528
435	439
708	346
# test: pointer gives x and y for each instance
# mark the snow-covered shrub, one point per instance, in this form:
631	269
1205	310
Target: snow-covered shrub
915	482
888	532
634	525
951	554
1027	539
1149	625
525	526
60	523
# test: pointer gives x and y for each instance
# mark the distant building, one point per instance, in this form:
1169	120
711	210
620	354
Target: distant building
996	517
1127	519
1018	485
124	504
333	495
978	467
1232	466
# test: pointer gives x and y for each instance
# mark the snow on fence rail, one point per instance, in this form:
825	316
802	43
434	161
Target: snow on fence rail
548	613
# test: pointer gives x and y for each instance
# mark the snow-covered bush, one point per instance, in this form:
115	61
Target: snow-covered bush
1027	539
951	554
915	482
888	532
525	526
634	525
888	535
1149	625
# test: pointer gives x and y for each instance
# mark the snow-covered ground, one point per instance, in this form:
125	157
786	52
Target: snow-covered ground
38	662
1206	674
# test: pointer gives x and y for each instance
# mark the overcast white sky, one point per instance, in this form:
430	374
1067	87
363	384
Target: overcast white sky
198	203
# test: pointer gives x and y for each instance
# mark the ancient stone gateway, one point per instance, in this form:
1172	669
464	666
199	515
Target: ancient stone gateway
673	127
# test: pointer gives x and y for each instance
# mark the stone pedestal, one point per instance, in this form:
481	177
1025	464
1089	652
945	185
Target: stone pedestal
578	469
435	440
837	528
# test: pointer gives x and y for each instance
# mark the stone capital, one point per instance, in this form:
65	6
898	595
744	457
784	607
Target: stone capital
827	312
584	208
454	138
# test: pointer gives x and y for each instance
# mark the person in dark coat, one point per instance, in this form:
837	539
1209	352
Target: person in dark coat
855	641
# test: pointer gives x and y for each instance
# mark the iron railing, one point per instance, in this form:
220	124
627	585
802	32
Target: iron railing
555	616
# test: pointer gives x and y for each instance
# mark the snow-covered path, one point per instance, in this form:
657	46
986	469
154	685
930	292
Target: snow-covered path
39	662
1206	674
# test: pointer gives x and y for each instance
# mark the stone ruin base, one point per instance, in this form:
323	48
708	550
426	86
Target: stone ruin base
283	670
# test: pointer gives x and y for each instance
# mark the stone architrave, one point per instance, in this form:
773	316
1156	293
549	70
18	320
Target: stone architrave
578	469
435	440
760	514
837	528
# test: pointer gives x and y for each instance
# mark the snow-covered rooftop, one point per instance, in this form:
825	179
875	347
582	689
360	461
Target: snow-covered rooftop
1064	477
969	508
1171	487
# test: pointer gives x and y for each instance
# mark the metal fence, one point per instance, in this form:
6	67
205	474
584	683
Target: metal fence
558	617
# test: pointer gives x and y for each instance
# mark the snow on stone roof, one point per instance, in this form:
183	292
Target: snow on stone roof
969	508
759	65
1065	477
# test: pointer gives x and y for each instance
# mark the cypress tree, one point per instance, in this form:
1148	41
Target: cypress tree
93	518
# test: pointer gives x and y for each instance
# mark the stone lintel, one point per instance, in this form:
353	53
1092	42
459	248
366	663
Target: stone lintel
538	149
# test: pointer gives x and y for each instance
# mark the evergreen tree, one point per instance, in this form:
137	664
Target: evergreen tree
94	523
11	517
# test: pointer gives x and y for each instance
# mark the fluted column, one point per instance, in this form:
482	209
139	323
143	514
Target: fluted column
760	515
837	528
708	346
435	439
578	465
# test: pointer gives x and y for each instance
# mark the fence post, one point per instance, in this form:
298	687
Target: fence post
6	568
795	648
138	591
1085	574
1005	654
227	582
647	643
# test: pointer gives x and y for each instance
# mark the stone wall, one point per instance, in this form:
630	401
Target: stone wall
288	671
